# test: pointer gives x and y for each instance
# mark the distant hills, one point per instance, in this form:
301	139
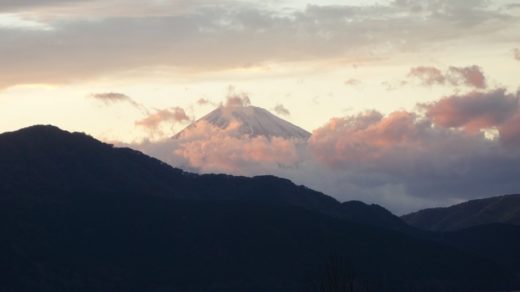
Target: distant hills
80	215
501	209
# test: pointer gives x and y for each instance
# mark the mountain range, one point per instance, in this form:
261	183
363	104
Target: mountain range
77	214
500	209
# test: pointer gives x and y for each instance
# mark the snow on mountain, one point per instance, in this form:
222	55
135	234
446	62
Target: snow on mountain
249	121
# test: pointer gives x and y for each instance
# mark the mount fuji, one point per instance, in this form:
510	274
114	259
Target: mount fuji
249	121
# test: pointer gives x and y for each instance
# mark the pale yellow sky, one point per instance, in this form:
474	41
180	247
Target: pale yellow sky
299	54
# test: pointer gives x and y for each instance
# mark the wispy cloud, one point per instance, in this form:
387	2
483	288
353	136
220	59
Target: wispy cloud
238	33
281	110
352	82
471	76
516	54
169	117
112	97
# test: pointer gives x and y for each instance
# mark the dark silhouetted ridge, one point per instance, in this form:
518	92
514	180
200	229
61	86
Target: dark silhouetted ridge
501	209
77	214
46	158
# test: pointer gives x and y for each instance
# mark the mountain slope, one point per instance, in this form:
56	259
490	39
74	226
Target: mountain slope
44	160
373	214
251	121
496	241
80	215
501	209
146	243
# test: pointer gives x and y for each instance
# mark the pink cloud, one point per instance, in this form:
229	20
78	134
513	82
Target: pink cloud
398	160
473	111
207	148
238	100
427	75
172	115
471	76
365	137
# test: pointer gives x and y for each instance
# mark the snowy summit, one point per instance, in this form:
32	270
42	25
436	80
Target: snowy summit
250	121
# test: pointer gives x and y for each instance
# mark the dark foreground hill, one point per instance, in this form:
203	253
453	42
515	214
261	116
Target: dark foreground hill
496	241
46	161
501	209
80	215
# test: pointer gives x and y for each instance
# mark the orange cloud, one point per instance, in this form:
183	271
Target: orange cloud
364	137
207	148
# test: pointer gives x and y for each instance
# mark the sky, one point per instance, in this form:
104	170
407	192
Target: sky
411	104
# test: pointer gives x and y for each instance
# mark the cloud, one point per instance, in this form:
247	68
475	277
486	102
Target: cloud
406	155
510	131
14	5
171	117
473	111
352	82
204	101
403	160
176	35
281	110
207	148
112	97
356	140
516	54
471	76
428	75
236	99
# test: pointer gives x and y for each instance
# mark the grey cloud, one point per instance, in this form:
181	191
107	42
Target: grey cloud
239	35
352	82
281	110
516	54
14	5
428	75
207	102
471	76
109	98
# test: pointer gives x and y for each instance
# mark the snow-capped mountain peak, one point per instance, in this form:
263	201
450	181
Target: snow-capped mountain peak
249	121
